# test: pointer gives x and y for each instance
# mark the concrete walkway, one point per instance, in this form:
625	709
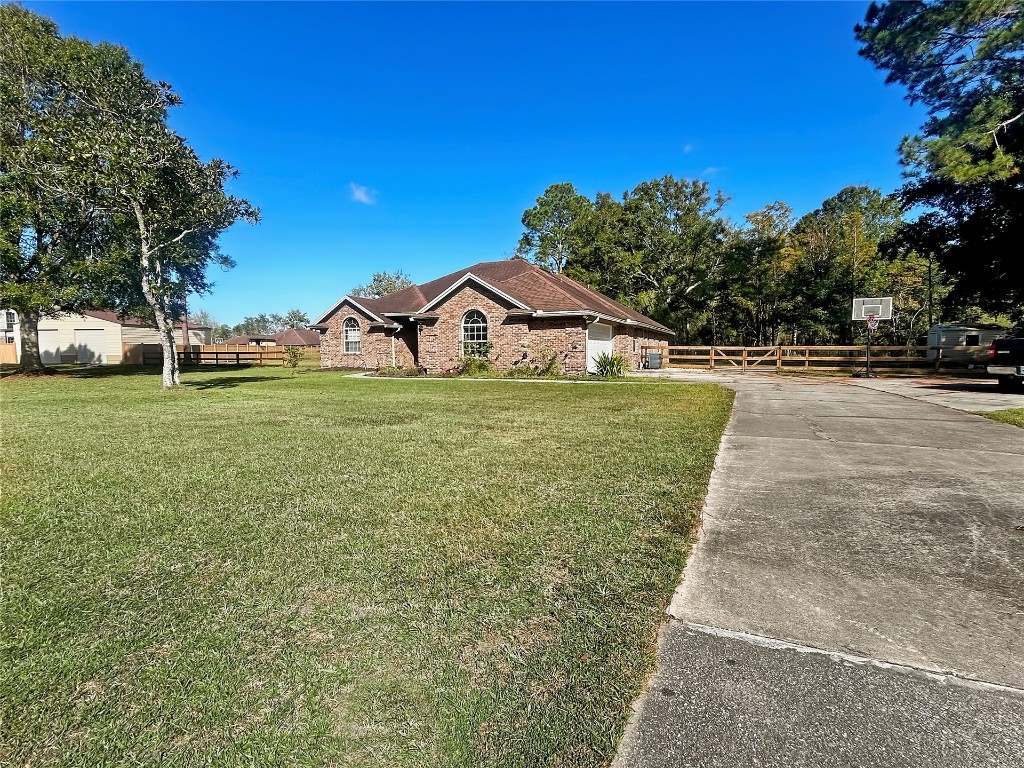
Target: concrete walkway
856	596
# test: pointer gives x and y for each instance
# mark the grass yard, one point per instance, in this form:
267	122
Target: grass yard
267	569
1013	416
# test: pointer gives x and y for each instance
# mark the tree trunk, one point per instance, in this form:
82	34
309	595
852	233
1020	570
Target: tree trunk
164	324
171	374
31	361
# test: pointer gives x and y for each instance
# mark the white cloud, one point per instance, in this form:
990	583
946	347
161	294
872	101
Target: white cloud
688	149
362	194
711	170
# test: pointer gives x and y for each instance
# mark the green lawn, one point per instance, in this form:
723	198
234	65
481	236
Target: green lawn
266	569
1013	416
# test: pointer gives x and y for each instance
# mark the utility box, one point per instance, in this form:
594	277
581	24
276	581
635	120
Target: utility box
654	360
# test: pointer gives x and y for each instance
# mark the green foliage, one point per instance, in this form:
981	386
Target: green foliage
543	363
382	284
610	366
962	60
472	365
552	226
96	187
291	357
294	318
396	372
52	229
1014	416
667	251
661	250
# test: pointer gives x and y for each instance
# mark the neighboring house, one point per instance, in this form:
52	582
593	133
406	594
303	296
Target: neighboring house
298	337
94	336
511	311
289	337
966	342
255	339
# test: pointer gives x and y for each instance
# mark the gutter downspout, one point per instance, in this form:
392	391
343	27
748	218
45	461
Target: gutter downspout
394	362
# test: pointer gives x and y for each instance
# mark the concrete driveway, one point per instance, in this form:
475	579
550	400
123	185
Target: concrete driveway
856	596
963	394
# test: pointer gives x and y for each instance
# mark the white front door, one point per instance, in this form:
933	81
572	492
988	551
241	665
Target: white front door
600	338
89	344
49	346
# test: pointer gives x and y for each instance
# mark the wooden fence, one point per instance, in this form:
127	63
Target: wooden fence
820	358
8	354
212	354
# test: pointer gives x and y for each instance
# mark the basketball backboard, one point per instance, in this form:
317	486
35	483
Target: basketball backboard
880	307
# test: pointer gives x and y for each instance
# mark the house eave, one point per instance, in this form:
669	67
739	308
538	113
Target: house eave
587	313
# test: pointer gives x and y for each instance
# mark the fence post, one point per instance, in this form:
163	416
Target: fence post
711	358
778	358
807	357
743	367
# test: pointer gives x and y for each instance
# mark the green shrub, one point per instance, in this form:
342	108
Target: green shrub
610	366
291	358
551	366
475	366
521	371
394	372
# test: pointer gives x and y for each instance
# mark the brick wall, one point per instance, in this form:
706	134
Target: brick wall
513	340
374	348
438	343
629	340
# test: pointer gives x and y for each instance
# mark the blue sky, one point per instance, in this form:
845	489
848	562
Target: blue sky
412	136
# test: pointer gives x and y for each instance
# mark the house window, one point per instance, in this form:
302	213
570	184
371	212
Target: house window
474	334
350	329
11	318
973	340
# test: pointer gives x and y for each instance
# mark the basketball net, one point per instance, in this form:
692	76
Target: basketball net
872	321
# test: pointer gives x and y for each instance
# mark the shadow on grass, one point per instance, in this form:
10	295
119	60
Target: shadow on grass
81	372
227	382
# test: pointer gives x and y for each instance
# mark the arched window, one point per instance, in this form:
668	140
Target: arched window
474	334
350	329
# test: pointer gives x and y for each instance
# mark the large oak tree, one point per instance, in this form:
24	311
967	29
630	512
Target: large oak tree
964	61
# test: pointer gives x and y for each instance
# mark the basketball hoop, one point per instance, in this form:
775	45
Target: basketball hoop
872	321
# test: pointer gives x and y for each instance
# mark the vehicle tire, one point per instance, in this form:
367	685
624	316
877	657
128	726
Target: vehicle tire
1009	384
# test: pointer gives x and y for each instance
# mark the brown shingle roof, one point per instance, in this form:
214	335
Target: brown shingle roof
250	338
523	282
130	321
298	337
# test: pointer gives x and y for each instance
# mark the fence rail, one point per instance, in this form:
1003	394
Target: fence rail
818	358
210	354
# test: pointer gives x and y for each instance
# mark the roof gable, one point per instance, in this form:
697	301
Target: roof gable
466	279
363	305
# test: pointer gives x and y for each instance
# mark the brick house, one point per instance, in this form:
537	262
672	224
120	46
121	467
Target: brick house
512	310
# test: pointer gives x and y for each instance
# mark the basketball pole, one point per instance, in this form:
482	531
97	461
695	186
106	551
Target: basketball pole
867	369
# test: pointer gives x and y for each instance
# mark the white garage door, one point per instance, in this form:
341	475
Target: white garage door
89	344
49	346
599	339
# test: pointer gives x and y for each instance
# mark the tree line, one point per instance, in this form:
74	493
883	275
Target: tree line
262	324
666	249
102	204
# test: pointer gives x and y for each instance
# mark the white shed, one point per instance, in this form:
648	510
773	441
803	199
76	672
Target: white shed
94	337
966	342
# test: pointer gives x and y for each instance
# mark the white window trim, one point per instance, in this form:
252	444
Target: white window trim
478	342
358	342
